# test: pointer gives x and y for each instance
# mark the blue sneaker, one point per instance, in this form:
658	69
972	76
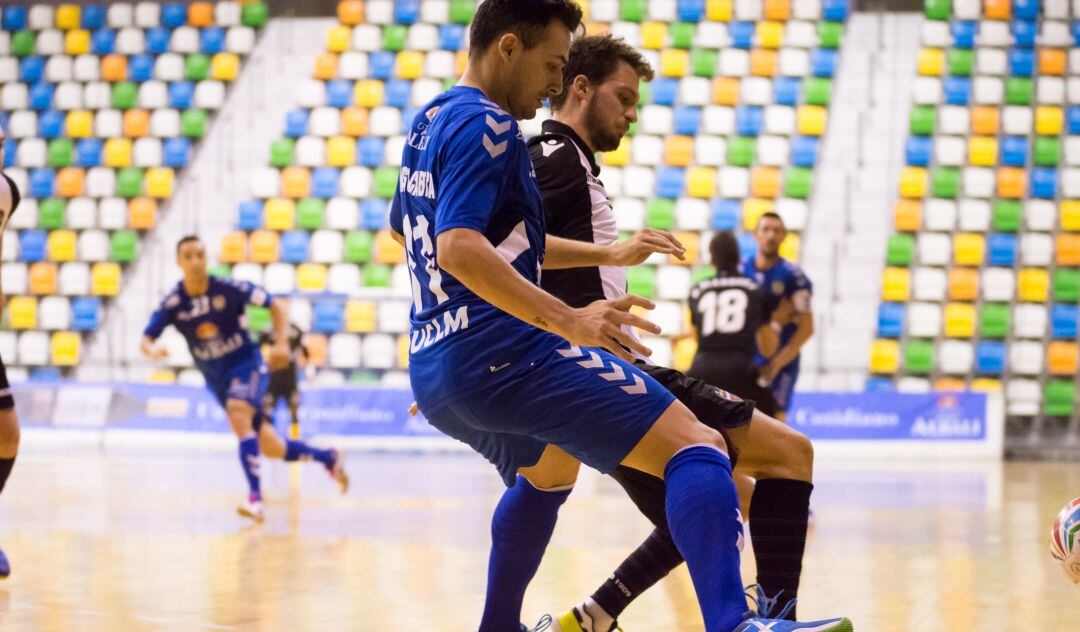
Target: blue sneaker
5	567
765	620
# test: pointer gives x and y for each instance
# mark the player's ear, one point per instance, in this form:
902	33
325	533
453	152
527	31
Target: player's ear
509	45
581	85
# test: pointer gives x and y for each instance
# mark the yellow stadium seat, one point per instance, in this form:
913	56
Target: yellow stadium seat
77	42
620	156
69	182
931	62
1070	215
770	34
986	385
79	124
341	151
326	65
410	64
982	151
1048	120
311	277
234	247
354	122
295	182
912	182
765	182
718	10
752	211
960	320
778	9
653	35
811	120
142	213
907	215
61	245
726	91
265	246
701	182
279	214
895	284
337	40
387	250
1033	285
884	356
763	62
201	14
159	182
791	247
105	279
692	242
225	66
368	93
162	376
968	249
22	312
461	62
65	348
683	354
350	12
67	16
360	316
118	152
678	150
403	351
673	62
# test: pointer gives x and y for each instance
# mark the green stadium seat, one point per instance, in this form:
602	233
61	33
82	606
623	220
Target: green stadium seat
281	152
197	67
702	274
310	213
1059	398
60	152
122	246
193	123
364	378
797	182
377	275
124	95
255	15
22	43
660	214
922	120
901	249
1067	285
641	280
393	37
1046	151
461	11
741	150
129	182
817	90
385	182
945	182
633	10
1007	215
919	356
960	61
645	91
829	34
1018	91
994	320
682	35
938	9
448	83
220	271
258	318
702	63
51	214
359	246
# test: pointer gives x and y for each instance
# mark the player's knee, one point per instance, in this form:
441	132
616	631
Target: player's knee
802	452
240	416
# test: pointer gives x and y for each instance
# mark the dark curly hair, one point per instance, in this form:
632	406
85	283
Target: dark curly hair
597	57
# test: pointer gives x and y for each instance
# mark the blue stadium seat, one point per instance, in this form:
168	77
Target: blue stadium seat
451	36
14	18
990	357
294	246
339	93
369	151
878	385
324	182
32	245
726	214
742	34
45	375
834	10
42	183
786	91
85	313
31	69
957	90
1024	33
691	10
10	147
890	320
249	215
1014	151
1063	321
407	117
296	123
88	152
1075	28
51	124
103	42
1044	183
1026	9
1021	62
963	33
181	94
687	120
328	317
747	245
176	151
1002	249
41	95
173	14
157	40
406	11
804	150
917	151
749	119
212	40
381	65
395	93
140	68
823	62
1072	116
373	213
93	16
669	182
665	90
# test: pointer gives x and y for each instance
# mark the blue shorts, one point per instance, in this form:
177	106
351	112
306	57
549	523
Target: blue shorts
783	385
247	382
586	401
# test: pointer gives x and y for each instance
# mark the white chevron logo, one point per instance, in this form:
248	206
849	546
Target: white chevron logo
493	148
616	375
594	361
613	373
498	128
638	388
573	352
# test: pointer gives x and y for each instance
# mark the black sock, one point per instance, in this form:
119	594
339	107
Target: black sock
651	562
5	470
779	511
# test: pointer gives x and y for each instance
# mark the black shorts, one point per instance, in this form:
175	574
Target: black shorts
6	401
283	385
736	374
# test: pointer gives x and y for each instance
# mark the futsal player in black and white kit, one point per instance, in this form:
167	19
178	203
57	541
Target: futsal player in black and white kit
9	423
593	113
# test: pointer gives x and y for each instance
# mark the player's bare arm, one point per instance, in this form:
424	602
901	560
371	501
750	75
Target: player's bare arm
804	323
570	253
279	317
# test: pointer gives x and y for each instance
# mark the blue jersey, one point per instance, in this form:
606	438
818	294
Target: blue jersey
784	280
211	324
466	165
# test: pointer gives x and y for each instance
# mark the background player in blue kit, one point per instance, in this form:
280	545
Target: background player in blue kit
521	377
208	312
781	279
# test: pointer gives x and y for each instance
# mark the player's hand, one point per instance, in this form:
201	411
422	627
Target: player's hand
600	325
158	353
279	355
644	243
414	409
768	373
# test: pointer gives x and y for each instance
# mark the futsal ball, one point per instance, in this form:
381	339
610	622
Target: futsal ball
1063	540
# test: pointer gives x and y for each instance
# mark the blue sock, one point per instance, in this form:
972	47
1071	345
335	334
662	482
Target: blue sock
703	517
520	531
300	451
249	461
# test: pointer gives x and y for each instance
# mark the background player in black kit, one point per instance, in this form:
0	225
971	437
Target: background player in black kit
283	383
9	423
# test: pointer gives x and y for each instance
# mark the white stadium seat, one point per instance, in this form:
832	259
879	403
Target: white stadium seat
734	182
719	120
266	183
923	320
210	95
956	357
15	96
385	121
1017	120
422	37
928	284
356	182
33	346
639	182
49	42
1036	249
974	215
794	212
1040	215
1023	397
120	15
954	119
108	123
32	153
147	152
935	249
994	33
343	351
240	40
227	13
310	151
250	272
949	151
342	214
806	10
988	91
54	313
169	67
926	91
185	40
112	214
978	182
935	34
755	91
801	34
939	215
656	119
1030	320
164	123
280	278
629	214
990	61
673	282
343	278
131	41
367	38
87	68
100	183
97	95
647	150
16	277
695	91
772	151
998	284
394	316
327	246
147	14
378	351
311	93
93	245
73	279
435	11
793	62
692	214
1050	90
734	62
709	151
324	122
1026	358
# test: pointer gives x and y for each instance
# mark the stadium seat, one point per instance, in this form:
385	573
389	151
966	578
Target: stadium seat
895	284
1036	250
1026	358
934	249
956	357
940	215
884	356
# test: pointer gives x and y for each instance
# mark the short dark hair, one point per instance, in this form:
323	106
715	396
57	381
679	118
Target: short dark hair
525	18
186	239
772	215
597	57
724	251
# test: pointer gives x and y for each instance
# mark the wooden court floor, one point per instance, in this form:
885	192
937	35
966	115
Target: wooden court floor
148	540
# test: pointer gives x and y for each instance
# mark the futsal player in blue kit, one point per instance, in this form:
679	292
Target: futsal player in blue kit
781	279
208	312
515	373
